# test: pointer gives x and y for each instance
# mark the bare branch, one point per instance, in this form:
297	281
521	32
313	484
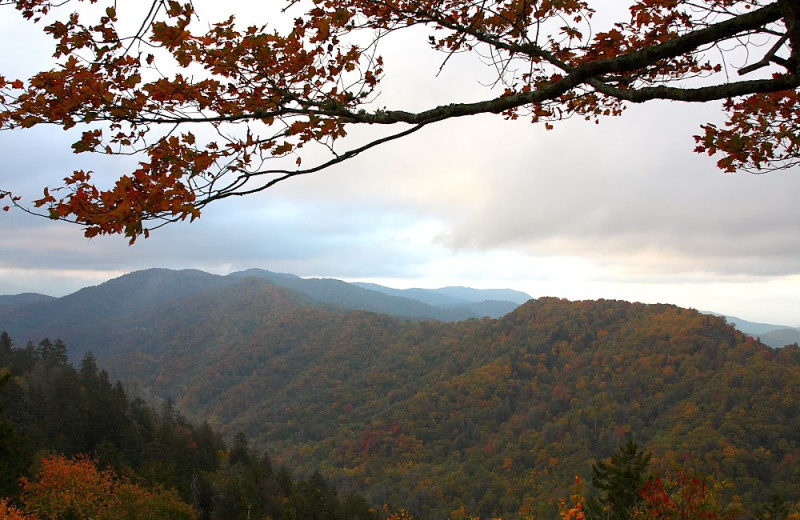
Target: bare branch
768	58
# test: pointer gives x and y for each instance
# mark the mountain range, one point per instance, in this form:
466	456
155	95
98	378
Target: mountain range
94	315
439	405
768	333
31	316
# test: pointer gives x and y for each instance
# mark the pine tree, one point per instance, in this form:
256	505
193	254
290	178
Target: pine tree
620	482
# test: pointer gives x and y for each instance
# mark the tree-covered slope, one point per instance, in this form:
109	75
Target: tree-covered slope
489	415
84	318
96	318
23	299
74	446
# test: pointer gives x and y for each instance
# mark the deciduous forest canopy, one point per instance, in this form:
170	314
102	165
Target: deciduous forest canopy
214	109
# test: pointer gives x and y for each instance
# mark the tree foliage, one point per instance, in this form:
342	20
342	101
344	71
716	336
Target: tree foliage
628	489
76	489
267	94
141	465
621	481
683	494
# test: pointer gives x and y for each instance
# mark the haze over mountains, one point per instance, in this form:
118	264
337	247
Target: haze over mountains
94	315
768	333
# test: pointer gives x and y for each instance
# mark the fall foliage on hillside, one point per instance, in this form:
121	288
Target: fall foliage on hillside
490	418
488	415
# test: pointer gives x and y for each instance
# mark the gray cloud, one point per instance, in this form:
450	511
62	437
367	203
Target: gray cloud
622	189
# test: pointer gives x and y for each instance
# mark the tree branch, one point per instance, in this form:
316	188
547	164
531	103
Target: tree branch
589	72
701	94
233	188
768	58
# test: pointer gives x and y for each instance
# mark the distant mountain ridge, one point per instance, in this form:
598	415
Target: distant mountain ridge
768	333
376	298
454	295
92	314
149	287
24	299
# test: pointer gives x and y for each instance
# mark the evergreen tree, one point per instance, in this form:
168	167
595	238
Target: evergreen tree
52	353
283	480
209	445
620	482
88	370
5	349
8	473
240	453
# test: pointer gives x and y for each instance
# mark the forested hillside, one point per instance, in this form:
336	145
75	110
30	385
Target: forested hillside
488	415
97	318
74	446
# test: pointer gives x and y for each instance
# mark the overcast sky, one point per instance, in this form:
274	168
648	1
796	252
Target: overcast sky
621	210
